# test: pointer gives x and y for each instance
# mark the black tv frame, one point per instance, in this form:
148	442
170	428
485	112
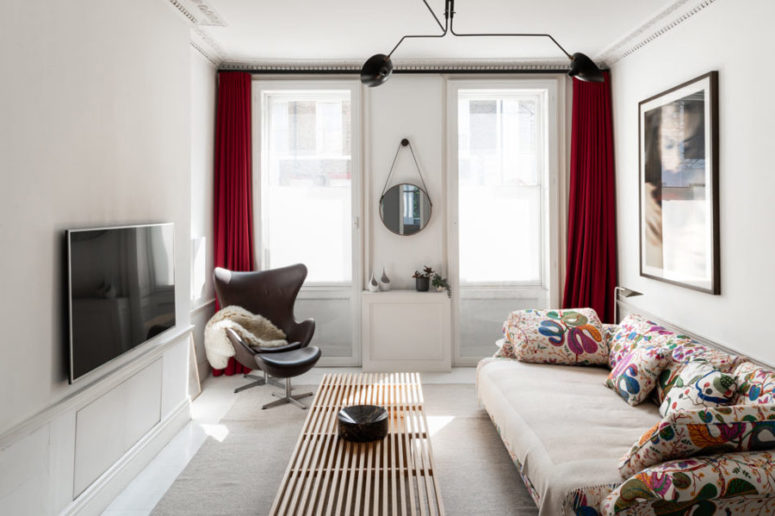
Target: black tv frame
67	293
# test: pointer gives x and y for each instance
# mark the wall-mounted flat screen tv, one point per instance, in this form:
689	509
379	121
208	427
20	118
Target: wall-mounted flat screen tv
121	291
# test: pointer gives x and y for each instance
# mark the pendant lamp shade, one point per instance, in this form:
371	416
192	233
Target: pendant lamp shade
376	70
583	68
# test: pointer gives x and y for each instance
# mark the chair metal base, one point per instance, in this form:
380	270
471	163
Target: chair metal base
266	380
258	381
287	397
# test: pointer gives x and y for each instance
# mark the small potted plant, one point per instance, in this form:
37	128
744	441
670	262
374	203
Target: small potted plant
422	280
440	283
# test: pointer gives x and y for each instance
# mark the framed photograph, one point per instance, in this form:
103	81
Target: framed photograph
679	240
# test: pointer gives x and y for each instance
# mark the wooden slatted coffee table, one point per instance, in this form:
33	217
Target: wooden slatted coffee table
395	476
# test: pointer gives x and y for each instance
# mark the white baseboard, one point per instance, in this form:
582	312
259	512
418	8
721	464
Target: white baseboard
100	493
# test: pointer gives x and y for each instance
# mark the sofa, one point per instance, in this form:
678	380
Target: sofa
581	449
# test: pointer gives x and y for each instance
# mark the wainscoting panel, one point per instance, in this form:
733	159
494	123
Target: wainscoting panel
106	428
23	470
61	456
77	454
175	378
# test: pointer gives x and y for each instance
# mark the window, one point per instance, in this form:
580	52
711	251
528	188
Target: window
305	179
306	183
504	154
500	170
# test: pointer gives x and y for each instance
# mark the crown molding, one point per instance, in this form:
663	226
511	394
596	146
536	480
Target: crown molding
663	22
206	53
207	15
405	66
206	45
198	14
183	11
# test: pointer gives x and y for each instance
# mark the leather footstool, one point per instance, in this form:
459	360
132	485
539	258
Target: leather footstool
287	364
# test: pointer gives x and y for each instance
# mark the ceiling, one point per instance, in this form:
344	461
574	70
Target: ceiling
348	31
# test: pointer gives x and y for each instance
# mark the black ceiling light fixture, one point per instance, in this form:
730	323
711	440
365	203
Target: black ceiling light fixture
378	67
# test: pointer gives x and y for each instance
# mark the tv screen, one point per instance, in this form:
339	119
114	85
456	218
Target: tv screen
121	291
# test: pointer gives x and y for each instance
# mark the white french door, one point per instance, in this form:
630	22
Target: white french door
306	180
503	219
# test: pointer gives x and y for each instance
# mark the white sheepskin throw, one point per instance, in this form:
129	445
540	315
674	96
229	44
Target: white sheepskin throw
255	330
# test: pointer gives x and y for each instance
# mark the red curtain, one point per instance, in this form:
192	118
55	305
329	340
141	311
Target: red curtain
591	265
232	211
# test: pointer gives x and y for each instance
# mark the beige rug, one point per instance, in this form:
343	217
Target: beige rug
240	474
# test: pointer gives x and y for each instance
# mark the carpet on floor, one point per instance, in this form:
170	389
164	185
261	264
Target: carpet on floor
239	473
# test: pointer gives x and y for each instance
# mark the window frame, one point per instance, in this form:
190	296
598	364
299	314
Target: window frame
317	290
548	289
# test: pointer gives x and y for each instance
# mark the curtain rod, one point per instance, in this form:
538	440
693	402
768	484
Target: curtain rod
302	71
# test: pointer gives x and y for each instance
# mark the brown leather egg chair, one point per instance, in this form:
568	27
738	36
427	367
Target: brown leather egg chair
272	294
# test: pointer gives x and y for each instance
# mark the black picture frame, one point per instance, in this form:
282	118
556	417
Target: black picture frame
678	185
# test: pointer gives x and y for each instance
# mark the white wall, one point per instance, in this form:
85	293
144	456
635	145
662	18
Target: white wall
203	98
94	131
734	38
405	107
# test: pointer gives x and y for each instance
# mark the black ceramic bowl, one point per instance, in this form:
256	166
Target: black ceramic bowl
363	423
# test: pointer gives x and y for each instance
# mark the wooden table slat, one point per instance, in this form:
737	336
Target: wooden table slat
395	476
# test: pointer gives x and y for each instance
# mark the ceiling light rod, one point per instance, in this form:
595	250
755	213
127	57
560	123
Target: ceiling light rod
378	68
502	34
444	27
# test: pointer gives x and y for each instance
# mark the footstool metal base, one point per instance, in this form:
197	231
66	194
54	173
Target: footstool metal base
287	397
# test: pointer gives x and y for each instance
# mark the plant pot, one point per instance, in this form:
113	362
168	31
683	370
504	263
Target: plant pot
422	284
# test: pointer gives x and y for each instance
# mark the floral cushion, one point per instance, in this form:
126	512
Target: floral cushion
707	431
755	384
636	374
609	330
684	350
699	385
586	501
635	331
573	337
734	483
666	380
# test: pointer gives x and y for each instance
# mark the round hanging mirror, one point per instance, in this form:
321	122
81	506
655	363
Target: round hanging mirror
405	209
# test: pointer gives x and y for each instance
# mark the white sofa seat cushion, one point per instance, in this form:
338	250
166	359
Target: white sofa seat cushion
564	427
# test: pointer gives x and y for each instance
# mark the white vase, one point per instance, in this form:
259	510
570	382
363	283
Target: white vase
384	281
373	285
